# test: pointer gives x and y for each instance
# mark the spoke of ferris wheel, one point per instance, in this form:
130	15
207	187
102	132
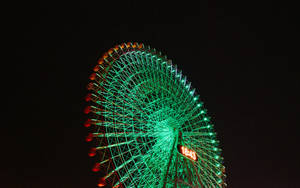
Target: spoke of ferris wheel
171	153
199	128
185	183
113	145
122	134
196	170
189	134
116	156
121	166
188	171
176	168
202	179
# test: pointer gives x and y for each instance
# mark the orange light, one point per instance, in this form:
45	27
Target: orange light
105	55
140	45
93	76
100	61
116	47
110	51
188	153
96	68
101	182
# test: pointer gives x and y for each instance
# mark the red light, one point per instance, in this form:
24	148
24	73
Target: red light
188	153
87	110
96	68
88	123
88	97
96	167
92	152
89	137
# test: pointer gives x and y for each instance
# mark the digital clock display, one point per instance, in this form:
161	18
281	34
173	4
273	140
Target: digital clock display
189	153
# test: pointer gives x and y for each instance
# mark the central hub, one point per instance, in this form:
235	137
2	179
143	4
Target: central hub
166	128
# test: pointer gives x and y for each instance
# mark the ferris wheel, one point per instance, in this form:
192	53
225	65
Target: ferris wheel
148	125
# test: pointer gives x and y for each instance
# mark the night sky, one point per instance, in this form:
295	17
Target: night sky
241	57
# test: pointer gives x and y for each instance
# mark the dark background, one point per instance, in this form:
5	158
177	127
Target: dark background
241	57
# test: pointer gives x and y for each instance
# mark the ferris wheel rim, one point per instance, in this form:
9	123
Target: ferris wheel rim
142	50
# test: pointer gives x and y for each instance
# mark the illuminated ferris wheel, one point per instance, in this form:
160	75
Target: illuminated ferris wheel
148	124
